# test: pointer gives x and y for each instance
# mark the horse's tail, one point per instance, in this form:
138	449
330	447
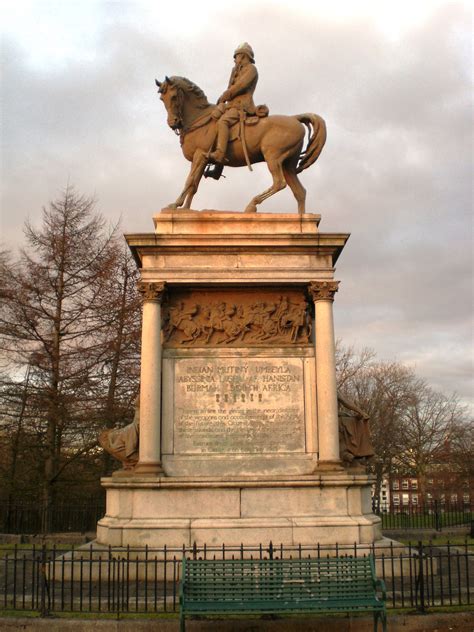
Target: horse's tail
317	137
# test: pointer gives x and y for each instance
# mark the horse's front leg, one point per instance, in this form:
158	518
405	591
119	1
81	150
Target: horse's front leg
200	160
182	196
192	181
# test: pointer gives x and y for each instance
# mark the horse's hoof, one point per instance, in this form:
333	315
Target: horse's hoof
251	208
173	206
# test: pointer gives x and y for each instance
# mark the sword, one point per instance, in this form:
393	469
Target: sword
242	138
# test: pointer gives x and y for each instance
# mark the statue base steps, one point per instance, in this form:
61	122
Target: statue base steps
325	508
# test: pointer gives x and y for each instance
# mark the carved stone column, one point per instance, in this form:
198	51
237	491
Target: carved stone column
322	293
149	461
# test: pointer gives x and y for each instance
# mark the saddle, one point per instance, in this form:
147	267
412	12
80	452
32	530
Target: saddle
235	132
261	111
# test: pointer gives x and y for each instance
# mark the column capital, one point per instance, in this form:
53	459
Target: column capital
153	291
323	290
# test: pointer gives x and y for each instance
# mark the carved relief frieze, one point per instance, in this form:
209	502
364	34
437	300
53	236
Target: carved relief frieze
237	319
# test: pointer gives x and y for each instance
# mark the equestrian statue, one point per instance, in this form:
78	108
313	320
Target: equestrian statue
234	132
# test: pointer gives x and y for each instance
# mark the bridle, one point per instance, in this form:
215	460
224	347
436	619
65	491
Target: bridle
178	130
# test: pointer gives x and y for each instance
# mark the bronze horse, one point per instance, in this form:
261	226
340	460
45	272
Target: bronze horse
278	140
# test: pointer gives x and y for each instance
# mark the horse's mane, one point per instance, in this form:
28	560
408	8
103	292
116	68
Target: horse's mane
189	86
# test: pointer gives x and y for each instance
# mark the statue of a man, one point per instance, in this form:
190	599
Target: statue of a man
237	100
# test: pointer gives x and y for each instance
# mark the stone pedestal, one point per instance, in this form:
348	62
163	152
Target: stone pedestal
238	428
325	508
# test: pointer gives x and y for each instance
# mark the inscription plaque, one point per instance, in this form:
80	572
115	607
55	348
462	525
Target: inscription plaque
239	406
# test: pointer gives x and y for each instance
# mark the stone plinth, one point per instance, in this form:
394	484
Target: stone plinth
328	508
239	443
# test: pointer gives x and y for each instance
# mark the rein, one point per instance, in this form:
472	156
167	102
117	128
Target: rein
199	122
196	124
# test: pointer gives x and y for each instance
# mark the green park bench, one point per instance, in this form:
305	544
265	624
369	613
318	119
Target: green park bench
282	586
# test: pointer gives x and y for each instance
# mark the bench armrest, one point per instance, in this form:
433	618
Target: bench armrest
380	584
182	582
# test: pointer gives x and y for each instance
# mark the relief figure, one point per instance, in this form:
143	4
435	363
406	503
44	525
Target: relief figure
182	319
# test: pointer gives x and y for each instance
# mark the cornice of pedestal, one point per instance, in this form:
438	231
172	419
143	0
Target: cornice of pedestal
232	248
326	247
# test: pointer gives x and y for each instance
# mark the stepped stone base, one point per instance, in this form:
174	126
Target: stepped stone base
327	508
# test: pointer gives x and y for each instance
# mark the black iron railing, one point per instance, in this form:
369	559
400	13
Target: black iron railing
117	580
27	518
437	515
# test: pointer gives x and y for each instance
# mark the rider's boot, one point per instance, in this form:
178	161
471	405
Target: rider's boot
218	155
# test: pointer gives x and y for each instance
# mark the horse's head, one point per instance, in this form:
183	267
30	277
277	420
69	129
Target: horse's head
171	96
184	101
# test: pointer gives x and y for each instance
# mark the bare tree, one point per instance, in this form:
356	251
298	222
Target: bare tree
351	363
49	323
414	429
383	390
432	423
118	371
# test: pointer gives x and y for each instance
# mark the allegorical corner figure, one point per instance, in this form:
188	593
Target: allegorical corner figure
122	443
354	433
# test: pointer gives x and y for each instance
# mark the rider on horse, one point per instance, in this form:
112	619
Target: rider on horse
237	101
277	140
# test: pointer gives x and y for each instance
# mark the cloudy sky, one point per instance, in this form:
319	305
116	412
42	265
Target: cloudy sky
391	78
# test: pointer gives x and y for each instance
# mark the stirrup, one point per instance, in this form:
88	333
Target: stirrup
214	170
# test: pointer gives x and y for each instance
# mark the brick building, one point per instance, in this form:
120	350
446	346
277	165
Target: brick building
441	486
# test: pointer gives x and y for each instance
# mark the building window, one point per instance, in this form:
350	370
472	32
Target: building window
465	498
429	496
395	485
396	499
405	484
454	498
414	499
405	499
414	483
430	481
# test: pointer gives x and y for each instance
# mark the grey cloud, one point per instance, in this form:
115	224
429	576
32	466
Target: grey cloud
395	171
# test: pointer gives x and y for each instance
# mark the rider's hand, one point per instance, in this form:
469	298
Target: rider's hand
225	96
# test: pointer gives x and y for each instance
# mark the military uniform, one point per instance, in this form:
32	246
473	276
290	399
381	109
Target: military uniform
237	100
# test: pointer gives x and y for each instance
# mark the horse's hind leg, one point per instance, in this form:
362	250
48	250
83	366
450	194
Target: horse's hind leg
279	182
289	171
